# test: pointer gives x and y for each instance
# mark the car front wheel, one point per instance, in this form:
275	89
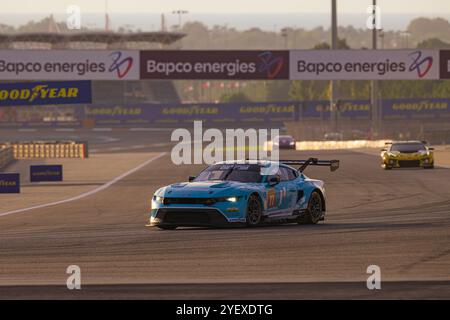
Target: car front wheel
254	211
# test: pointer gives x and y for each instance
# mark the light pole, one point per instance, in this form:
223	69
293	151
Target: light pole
381	35
334	36
374	83
179	13
405	35
285	34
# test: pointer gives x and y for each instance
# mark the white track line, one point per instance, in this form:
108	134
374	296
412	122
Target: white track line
89	193
27	130
65	130
150	129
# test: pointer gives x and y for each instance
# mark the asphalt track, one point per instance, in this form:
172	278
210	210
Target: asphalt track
398	220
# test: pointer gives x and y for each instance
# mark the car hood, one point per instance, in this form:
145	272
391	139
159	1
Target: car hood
204	189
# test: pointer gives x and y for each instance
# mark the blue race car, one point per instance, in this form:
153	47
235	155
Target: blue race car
250	192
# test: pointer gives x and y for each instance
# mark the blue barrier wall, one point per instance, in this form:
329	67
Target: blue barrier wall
178	114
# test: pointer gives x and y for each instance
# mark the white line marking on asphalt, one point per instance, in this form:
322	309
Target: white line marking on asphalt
26	130
150	129
89	193
65	129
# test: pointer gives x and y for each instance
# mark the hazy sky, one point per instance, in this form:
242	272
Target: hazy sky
221	6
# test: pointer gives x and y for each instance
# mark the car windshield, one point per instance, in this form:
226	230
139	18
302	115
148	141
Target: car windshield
408	147
283	138
248	173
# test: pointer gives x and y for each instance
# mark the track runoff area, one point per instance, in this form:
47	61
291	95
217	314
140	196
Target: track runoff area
385	228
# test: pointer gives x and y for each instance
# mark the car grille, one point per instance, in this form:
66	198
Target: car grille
187	217
409	163
199	201
191	217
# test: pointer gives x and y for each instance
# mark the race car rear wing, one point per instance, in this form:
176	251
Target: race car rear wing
333	164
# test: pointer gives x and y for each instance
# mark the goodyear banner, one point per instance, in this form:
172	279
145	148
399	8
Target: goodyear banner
138	115
45	93
416	108
390	108
176	114
320	109
9	183
43	173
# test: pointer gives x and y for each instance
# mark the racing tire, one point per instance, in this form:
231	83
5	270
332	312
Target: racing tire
387	168
167	227
429	167
254	211
315	210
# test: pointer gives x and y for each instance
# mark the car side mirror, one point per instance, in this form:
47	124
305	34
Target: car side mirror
192	178
431	149
274	180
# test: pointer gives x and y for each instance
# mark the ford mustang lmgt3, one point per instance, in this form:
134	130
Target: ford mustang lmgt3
407	154
243	193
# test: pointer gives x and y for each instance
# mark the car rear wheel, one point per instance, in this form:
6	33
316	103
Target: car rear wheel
167	227
254	211
315	210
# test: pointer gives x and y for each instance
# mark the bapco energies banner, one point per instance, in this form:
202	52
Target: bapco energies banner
445	64
256	65
364	64
69	65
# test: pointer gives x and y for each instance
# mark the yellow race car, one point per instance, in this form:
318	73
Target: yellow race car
407	154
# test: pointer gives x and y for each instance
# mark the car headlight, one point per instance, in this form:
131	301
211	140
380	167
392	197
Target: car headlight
292	143
228	199
158	199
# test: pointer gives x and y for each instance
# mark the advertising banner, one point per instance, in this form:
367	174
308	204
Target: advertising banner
43	173
45	93
364	64
391	109
255	65
9	183
69	65
185	113
415	108
444	64
137	115
320	109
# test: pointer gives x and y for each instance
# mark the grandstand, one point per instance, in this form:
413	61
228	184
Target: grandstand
105	91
